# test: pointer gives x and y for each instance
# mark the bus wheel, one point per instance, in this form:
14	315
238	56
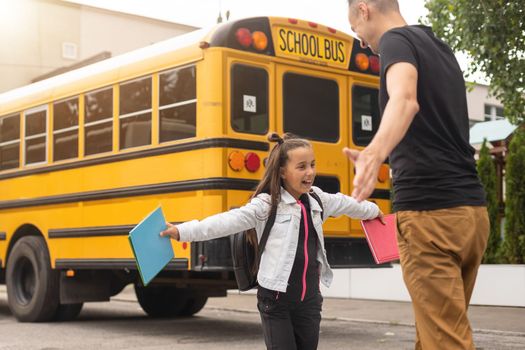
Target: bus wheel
32	286
67	312
194	305
162	301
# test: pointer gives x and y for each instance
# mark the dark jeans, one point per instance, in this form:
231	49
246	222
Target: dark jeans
289	324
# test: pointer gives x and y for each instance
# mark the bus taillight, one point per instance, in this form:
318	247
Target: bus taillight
374	64
236	160
384	173
244	37
260	41
362	62
312	24
252	162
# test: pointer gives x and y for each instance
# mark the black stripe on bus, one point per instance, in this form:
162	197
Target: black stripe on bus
122	230
218	183
2	236
105	264
184	147
380	194
98	231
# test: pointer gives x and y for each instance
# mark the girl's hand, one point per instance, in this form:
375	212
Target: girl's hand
381	217
171	231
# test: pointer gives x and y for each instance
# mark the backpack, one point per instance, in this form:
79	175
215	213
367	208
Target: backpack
247	252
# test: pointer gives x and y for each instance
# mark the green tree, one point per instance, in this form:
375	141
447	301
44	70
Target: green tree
514	240
487	175
492	32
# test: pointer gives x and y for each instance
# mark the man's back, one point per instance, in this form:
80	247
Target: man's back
433	166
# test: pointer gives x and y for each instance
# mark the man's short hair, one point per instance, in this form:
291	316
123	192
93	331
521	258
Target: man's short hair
381	5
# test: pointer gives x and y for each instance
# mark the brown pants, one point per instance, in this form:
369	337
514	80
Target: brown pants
440	253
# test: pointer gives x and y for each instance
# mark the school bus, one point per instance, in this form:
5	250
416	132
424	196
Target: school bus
85	155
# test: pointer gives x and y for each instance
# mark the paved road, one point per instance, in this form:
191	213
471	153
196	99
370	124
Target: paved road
121	324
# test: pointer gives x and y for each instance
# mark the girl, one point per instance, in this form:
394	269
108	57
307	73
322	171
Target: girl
294	260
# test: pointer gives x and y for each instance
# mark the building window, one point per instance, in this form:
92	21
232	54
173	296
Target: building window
10	142
493	113
65	129
35	136
177	104
135	113
98	131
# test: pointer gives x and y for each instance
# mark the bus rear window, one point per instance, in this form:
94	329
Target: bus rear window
311	107
249	103
365	114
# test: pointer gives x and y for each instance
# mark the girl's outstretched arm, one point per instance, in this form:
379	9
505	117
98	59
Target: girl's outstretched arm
340	204
220	225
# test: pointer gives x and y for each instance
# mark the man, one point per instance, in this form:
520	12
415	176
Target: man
441	215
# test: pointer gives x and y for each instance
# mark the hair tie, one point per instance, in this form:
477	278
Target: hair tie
280	141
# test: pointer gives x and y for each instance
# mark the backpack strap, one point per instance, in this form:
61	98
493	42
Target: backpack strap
316	197
266	233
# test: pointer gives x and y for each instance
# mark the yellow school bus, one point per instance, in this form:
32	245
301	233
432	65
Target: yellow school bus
85	155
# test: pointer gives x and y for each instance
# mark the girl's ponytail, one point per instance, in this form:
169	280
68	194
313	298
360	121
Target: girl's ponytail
274	137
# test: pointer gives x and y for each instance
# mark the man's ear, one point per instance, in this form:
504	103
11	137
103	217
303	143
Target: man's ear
362	8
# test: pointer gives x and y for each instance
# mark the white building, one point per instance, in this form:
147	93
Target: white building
481	106
42	37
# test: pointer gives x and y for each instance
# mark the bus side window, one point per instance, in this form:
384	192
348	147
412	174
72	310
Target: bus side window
249	101
10	142
365	114
98	129
35	136
177	104
65	129
135	113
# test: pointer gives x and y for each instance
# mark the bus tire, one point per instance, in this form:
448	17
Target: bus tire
32	286
67	312
162	301
194	305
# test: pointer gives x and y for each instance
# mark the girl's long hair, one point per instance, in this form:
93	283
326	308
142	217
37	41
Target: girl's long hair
271	181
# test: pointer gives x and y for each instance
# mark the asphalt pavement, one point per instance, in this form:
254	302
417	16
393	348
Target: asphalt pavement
488	319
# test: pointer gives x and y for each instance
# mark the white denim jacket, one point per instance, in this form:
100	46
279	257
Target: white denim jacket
279	254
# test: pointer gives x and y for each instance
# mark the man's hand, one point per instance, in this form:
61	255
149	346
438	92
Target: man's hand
171	231
366	169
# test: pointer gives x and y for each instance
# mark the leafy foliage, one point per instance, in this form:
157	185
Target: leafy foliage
487	175
492	32
514	241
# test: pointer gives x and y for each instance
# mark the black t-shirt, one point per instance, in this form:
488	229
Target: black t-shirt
433	166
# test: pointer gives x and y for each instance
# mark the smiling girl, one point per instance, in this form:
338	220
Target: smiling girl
294	260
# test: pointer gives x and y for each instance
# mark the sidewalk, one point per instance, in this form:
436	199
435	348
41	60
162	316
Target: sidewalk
483	318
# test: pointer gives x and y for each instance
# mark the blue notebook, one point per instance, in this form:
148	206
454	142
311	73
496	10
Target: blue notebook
152	252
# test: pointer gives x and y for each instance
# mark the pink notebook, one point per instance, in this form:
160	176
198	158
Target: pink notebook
382	238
